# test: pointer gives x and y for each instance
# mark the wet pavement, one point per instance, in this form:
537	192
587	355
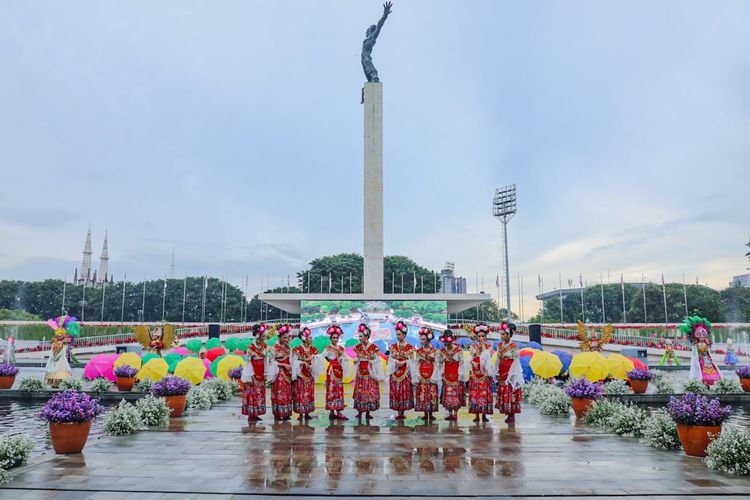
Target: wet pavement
217	453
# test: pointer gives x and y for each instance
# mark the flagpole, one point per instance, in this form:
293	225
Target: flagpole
164	297
561	301
684	293
643	282
664	294
184	296
104	288
583	308
143	300
65	283
622	287
601	284
122	307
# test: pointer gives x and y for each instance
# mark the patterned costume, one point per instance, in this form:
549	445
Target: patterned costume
337	365
590	342
480	379
281	389
303	384
366	387
58	367
509	379
730	358
426	399
702	366
254	378
401	389
669	356
453	395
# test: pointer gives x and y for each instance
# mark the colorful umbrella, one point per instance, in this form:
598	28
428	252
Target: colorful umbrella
227	363
213	354
591	365
207	364
231	344
527	351
182	351
350	352
619	365
215	364
191	369
535	345
545	364
463	341
101	365
148	357
212	343
154	370
565	359
193	345
528	373
128	358
172	359
637	363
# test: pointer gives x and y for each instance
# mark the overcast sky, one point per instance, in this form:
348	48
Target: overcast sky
233	132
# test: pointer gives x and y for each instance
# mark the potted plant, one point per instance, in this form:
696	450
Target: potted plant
582	395
698	421
235	375
173	390
744	374
69	414
7	375
125	377
638	379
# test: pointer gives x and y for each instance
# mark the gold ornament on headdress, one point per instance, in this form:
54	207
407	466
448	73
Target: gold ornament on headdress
586	342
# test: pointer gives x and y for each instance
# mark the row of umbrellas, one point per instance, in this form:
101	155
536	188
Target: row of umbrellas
591	365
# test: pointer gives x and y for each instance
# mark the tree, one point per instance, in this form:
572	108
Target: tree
396	266
736	304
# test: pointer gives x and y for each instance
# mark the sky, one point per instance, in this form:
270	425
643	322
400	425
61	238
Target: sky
232	131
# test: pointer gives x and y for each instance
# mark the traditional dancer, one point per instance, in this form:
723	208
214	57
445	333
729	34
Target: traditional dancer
509	374
479	367
280	373
369	372
451	370
730	358
401	392
426	398
702	366
254	375
592	342
338	368
58	368
306	366
669	356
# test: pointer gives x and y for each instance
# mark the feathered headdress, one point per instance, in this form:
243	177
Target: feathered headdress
65	325
697	329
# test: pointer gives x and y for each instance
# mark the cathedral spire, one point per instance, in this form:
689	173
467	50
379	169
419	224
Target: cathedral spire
86	266
104	260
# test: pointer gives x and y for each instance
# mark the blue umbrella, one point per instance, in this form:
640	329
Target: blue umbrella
528	373
535	345
463	341
565	359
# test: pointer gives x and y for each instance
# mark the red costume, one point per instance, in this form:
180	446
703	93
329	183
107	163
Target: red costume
334	378
453	395
281	389
426	391
508	398
254	394
366	387
303	388
480	384
401	388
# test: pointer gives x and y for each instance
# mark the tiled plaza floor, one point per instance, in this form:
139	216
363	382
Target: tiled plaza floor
216	453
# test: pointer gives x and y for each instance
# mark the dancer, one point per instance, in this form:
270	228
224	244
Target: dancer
702	366
369	372
401	392
730	358
509	374
338	368
280	373
254	375
58	368
669	356
479	367
306	366
451	370
423	370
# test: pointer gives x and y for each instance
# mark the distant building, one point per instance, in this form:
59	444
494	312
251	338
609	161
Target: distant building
742	280
449	282
89	276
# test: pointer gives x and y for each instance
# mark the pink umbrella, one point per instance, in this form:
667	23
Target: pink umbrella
101	365
180	350
208	373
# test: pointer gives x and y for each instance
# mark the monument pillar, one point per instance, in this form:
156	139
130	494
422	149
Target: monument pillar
373	192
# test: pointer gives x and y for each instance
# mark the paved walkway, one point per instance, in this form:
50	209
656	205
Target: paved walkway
216	453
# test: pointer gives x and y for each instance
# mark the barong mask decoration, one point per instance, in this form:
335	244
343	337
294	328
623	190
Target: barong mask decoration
592	342
156	340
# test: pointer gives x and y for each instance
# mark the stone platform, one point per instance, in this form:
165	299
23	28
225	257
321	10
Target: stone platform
216	453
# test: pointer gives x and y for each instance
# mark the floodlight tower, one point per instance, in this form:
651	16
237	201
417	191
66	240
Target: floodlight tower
504	208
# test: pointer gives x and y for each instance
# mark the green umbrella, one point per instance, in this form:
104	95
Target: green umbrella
231	344
193	345
213	343
148	357
215	364
172	359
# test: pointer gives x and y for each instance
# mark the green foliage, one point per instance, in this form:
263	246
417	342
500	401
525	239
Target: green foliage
100	384
616	387
600	412
628	420
18	315
554	401
143	385
223	391
660	431
33	383
693	385
122	420
726	386
5	477
198	398
154	411
71	383
15	450
730	451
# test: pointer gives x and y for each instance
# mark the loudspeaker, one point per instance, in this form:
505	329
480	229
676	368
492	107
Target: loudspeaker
634	352
213	331
535	333
120	349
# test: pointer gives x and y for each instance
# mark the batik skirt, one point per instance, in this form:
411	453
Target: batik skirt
303	395
254	399
366	394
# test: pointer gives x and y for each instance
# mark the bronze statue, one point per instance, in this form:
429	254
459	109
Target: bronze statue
372	35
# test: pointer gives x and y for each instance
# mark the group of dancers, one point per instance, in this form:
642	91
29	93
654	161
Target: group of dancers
420	379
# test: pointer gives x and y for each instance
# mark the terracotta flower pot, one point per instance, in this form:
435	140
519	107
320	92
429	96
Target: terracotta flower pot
695	438
125	384
6	382
639	386
69	437
745	383
581	405
177	404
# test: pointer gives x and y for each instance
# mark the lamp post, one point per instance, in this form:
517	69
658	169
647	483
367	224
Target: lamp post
504	208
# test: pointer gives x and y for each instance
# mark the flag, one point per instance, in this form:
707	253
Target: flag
414	281
497	281
580	280
330	282
539	282
205	282
165	281
662	279
287	281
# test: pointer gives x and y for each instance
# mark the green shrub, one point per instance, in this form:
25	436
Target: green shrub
15	450
660	431
5	477
143	385
122	420
600	412
663	386
198	399
628	420
33	383
614	387
730	452
100	384
222	390
71	383
727	386
154	411
554	402
693	385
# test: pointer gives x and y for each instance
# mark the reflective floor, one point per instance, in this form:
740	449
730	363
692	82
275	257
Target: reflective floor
216	452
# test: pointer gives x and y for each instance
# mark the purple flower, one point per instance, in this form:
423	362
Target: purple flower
8	370
743	372
126	371
235	373
582	388
70	406
639	374
694	409
170	386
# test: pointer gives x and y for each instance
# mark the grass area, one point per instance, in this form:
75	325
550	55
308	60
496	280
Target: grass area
41	332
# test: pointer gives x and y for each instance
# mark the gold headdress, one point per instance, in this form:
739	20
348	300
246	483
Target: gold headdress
592	343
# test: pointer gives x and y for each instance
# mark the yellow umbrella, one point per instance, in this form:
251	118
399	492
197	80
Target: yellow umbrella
545	364
128	358
191	369
155	370
619	365
227	363
591	365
